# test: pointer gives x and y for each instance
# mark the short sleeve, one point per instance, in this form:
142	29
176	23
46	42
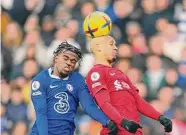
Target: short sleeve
96	81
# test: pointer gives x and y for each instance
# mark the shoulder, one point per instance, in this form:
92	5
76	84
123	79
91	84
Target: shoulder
40	79
96	72
77	75
41	75
78	80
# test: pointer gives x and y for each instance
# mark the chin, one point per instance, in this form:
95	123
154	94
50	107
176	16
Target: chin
112	60
64	74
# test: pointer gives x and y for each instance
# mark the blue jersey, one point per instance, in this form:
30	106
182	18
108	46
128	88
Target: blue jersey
56	100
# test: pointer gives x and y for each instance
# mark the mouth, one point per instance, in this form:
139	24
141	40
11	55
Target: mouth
115	53
67	69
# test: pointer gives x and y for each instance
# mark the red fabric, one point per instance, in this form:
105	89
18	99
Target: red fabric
143	105
146	109
121	132
103	100
123	95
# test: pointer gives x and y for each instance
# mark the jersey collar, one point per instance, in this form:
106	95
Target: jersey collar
50	70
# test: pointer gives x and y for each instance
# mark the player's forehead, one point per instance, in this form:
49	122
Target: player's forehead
69	54
110	39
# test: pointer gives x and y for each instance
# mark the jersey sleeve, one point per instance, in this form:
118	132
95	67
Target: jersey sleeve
96	80
38	96
143	106
89	106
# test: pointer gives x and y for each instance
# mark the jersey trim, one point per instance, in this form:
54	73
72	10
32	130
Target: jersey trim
50	70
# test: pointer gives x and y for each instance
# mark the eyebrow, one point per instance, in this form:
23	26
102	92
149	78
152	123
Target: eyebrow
65	56
66	53
75	59
112	41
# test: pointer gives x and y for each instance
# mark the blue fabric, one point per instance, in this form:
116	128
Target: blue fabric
56	100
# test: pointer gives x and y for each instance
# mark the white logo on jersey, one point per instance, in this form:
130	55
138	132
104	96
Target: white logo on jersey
96	84
35	85
95	76
70	87
62	106
37	93
125	85
117	85
51	86
112	74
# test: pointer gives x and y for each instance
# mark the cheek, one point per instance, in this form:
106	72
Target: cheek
60	63
109	55
73	66
109	52
112	52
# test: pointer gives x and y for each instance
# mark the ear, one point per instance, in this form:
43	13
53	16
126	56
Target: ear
98	47
95	47
56	59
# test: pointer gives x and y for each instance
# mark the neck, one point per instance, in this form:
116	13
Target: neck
101	61
55	72
58	74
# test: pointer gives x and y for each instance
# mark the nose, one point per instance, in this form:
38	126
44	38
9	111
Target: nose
68	62
115	48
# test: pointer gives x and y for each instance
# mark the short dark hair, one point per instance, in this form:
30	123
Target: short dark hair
68	47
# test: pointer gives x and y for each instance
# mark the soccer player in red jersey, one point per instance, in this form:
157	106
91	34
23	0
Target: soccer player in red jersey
114	93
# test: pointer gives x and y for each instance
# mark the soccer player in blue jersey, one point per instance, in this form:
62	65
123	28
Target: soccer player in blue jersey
56	93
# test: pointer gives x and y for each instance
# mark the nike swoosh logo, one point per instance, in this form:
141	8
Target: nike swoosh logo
112	74
51	86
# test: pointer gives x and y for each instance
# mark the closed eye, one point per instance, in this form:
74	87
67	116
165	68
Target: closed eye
112	43
73	61
65	57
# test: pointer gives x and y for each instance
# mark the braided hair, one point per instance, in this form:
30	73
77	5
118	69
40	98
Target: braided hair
65	46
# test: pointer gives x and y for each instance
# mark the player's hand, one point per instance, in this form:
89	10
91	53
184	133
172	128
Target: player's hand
167	123
113	128
130	126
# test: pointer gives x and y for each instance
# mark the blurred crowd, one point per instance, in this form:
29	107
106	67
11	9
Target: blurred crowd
151	40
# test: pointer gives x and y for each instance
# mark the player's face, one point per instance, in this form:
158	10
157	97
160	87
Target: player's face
65	62
109	49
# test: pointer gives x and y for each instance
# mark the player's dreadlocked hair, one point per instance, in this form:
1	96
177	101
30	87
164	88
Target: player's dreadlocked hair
65	46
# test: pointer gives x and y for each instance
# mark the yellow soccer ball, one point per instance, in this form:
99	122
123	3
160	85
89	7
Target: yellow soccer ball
97	24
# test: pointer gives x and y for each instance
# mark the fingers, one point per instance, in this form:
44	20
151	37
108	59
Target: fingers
139	126
168	128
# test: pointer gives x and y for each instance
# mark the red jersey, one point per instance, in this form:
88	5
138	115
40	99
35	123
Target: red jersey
123	94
